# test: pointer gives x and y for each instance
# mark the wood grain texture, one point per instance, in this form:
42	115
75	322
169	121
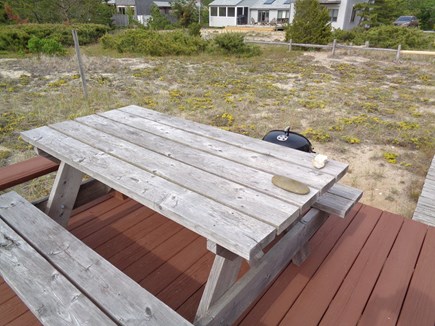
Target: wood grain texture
233	230
245	291
312	303
48	294
201	158
30	169
348	304
425	210
383	307
116	294
418	308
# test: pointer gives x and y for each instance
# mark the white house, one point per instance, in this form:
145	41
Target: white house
248	12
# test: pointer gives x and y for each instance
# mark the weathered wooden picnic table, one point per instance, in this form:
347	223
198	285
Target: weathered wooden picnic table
211	181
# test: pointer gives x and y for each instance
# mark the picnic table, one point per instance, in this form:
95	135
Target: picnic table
211	181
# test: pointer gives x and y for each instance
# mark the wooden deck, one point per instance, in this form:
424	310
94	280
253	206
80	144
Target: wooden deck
373	267
425	210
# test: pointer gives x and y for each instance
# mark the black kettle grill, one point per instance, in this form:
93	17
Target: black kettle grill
289	139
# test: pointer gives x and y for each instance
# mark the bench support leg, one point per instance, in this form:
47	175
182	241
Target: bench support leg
222	276
64	193
301	255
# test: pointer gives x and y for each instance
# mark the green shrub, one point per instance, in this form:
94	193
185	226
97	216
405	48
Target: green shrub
311	23
46	46
16	37
387	36
154	43
233	43
195	29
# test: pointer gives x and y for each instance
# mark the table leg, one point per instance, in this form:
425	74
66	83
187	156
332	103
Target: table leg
64	193
223	275
301	255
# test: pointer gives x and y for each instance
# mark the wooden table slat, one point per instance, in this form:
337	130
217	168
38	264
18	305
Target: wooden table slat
268	209
256	145
301	171
235	231
223	167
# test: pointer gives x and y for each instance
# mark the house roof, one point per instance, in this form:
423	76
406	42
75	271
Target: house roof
228	3
272	4
372	266
162	4
125	2
254	4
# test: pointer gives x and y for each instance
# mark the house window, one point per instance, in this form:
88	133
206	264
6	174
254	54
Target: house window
352	16
333	13
283	14
213	11
263	16
222	11
121	10
231	12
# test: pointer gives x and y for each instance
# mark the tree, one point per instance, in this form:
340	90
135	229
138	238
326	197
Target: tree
185	11
424	10
158	20
58	11
381	12
311	23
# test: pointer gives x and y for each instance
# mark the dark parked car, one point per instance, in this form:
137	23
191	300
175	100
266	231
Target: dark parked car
406	21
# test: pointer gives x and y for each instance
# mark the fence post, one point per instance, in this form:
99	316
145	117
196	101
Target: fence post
367	43
334	44
398	52
290	44
79	60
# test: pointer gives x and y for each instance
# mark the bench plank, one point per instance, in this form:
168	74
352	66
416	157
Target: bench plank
47	293
30	169
119	296
338	200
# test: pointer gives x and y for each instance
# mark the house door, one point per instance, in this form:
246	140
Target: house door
242	15
263	16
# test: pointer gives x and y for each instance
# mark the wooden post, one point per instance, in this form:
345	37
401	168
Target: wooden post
79	60
334	44
290	44
398	52
64	193
367	43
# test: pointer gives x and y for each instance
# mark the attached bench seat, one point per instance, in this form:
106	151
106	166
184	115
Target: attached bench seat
338	200
62	280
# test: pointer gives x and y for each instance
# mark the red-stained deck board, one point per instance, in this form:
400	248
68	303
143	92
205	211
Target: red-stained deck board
419	306
123	240
190	306
185	285
121	225
18	173
278	299
315	298
350	300
5	291
160	249
101	221
93	210
26	319
137	250
11	309
383	307
178	264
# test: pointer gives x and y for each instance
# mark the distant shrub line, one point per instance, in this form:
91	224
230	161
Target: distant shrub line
15	38
149	42
387	37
